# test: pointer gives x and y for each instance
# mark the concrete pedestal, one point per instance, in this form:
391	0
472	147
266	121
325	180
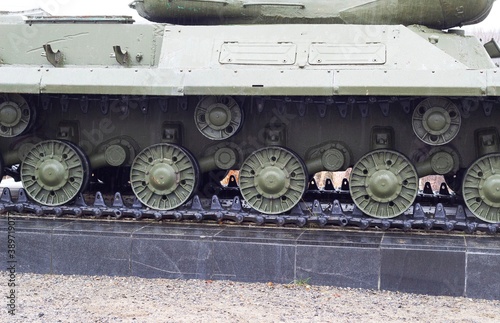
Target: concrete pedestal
435	264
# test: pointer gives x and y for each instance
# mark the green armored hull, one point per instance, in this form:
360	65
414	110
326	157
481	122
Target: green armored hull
164	111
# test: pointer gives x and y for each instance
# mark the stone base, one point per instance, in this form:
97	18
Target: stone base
435	264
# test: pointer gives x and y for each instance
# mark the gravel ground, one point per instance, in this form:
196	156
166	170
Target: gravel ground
53	298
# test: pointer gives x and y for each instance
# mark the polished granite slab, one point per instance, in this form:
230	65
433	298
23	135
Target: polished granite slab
430	264
436	264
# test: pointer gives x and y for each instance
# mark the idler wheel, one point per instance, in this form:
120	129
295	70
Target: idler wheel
54	172
164	176
481	188
384	184
218	117
15	115
273	180
436	121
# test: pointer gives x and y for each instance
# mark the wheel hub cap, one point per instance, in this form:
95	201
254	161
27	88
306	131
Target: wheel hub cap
437	121
383	186
218	116
491	190
52	174
163	178
271	181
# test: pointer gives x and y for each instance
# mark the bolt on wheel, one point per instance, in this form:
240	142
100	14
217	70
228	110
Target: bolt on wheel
481	188
54	172
384	184
164	176
273	180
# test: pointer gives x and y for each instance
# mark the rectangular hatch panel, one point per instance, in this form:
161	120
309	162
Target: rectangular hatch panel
347	54
258	53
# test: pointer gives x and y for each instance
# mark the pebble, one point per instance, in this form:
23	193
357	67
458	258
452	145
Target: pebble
54	298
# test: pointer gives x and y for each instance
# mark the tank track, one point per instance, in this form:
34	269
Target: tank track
432	211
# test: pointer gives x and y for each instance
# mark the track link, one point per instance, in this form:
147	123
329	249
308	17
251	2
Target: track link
447	215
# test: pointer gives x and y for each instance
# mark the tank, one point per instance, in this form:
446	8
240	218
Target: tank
102	116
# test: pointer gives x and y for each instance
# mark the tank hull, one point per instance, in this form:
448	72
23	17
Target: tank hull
291	60
431	13
162	110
